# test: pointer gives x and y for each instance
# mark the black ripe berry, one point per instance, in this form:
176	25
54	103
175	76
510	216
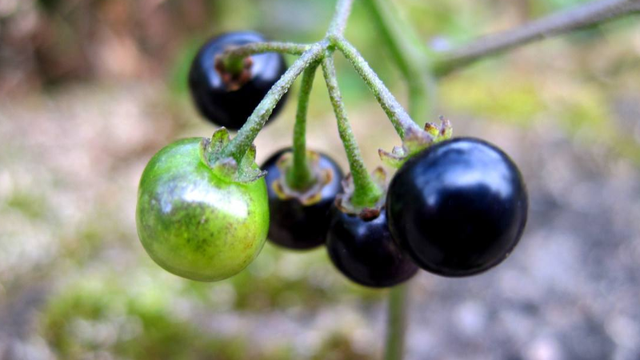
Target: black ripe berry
458	208
295	225
230	104
364	251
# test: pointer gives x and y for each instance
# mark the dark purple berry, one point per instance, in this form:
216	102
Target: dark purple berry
293	224
229	106
458	208
365	252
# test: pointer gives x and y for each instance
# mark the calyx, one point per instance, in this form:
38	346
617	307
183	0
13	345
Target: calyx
246	171
311	194
343	200
234	79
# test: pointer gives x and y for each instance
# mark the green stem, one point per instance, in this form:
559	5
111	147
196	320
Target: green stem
241	52
233	58
239	145
339	21
410	55
366	193
396	322
399	118
300	176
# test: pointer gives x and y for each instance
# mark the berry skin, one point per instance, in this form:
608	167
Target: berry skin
458	208
227	107
292	224
196	223
365	252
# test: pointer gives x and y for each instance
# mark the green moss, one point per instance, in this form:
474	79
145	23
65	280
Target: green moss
99	314
30	204
134	318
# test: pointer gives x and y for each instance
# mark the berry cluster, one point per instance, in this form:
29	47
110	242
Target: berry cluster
456	207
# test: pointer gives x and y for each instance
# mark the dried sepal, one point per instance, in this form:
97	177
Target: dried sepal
442	132
308	196
394	158
415	141
446	129
432	129
343	200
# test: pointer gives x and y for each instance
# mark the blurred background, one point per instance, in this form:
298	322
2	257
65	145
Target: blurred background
91	89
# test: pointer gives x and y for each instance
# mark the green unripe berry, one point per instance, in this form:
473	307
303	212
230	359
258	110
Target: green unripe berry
195	222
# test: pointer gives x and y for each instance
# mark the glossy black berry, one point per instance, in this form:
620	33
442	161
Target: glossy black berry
458	208
292	224
212	96
365	252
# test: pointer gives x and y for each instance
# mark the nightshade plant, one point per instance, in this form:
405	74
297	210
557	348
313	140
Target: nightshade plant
456	207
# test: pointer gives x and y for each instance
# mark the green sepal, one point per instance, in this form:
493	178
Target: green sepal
246	171
219	139
205	150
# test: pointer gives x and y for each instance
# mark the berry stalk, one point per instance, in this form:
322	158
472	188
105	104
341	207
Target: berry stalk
234	58
366	193
401	121
300	177
410	55
240	144
241	52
